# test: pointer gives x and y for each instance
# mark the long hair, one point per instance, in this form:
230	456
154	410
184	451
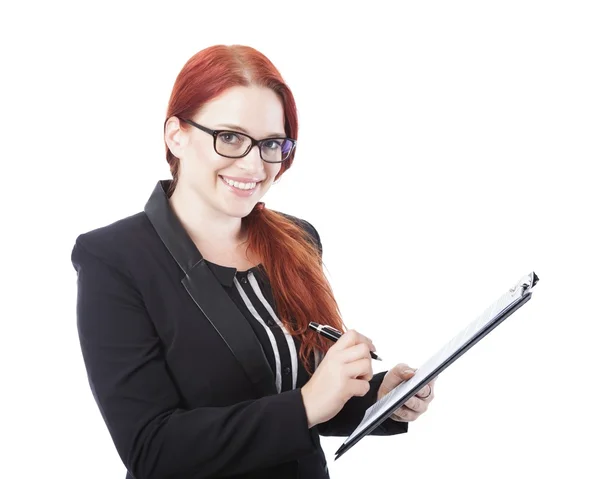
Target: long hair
289	256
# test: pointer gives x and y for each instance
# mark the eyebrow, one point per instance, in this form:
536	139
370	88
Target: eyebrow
243	130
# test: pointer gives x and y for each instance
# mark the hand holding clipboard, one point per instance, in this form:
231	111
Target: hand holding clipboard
400	372
497	312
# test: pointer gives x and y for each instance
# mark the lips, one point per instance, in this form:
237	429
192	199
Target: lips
241	180
238	191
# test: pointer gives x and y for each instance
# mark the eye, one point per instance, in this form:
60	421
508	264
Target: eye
273	144
230	138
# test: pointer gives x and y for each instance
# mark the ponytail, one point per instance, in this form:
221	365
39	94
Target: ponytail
291	256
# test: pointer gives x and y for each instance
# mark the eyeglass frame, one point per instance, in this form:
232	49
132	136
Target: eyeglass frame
215	134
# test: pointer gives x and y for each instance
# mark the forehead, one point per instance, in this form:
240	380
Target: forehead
256	109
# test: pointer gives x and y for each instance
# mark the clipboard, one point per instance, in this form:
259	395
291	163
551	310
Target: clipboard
497	312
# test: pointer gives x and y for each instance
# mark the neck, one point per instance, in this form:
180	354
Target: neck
204	224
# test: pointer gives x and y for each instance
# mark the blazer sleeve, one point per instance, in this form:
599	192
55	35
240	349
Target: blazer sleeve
155	436
350	416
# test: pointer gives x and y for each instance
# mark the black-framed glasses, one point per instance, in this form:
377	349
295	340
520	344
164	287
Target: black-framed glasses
233	144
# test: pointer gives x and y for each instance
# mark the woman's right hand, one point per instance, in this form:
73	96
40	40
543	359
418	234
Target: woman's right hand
344	372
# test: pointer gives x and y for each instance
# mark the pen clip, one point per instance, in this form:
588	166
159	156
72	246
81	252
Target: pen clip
332	330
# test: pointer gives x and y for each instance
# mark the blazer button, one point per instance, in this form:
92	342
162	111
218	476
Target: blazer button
287	370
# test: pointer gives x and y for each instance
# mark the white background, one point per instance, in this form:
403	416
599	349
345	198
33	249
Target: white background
445	150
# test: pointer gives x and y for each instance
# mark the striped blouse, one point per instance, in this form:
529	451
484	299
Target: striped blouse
251	291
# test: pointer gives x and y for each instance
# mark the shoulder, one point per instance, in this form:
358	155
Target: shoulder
306	226
113	243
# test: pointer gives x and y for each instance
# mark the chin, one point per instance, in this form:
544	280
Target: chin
240	211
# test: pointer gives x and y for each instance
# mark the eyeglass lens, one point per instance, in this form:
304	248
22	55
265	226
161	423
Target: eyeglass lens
236	145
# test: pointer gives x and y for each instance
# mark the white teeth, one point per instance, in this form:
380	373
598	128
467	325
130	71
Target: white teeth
238	185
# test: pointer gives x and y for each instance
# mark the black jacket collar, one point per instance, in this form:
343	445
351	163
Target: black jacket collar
207	292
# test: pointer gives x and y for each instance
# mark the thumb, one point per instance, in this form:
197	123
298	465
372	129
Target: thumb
404	371
393	378
397	374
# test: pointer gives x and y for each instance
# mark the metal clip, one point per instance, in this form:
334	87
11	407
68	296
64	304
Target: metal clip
526	282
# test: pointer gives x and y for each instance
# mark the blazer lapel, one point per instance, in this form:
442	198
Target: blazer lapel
208	294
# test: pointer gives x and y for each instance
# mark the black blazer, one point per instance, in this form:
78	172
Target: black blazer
177	372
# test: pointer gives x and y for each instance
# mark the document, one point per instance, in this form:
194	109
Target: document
497	312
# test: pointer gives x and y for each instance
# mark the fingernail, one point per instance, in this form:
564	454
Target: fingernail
409	371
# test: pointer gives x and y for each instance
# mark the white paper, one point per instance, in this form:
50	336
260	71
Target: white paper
448	350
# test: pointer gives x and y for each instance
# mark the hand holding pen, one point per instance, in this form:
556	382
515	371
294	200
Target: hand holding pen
345	371
333	334
412	408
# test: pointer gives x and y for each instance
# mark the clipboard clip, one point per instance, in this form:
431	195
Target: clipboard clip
527	282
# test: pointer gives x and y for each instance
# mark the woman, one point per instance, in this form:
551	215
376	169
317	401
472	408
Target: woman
193	314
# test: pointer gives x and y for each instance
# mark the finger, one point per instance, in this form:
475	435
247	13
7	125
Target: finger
358	387
351	338
396	371
405	414
415	404
403	372
361	369
425	392
353	353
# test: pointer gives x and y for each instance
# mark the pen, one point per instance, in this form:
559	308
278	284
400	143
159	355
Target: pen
333	334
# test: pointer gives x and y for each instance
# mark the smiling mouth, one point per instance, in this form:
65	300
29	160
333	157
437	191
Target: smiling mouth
250	186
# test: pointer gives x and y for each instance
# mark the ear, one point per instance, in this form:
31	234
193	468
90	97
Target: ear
176	138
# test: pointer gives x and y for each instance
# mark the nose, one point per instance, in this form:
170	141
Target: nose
252	161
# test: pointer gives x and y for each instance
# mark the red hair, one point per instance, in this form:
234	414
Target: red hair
289	255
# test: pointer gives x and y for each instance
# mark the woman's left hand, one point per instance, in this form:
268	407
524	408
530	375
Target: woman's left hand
417	404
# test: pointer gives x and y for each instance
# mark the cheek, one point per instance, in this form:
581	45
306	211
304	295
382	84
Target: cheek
273	169
208	166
